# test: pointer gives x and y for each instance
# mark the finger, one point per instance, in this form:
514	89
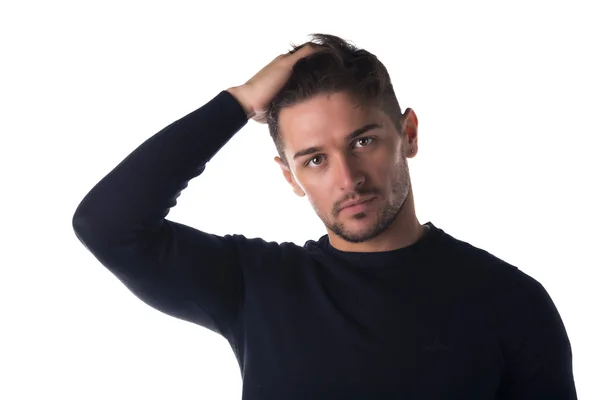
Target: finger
305	49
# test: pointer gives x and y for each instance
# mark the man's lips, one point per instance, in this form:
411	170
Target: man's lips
355	203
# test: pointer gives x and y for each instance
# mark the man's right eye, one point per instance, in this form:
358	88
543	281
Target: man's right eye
312	159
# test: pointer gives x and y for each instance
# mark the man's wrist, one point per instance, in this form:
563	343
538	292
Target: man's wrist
240	94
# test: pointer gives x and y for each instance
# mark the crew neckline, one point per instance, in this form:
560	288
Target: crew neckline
381	259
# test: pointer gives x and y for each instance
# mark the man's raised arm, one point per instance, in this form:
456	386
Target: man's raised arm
182	271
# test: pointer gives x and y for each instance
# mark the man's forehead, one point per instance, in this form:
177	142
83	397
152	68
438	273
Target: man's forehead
334	114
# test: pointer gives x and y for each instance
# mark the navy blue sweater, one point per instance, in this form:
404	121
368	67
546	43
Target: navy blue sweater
439	319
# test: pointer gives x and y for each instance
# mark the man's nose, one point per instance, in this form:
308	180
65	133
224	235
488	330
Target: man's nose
348	174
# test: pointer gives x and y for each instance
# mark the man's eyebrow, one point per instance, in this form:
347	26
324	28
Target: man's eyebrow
351	136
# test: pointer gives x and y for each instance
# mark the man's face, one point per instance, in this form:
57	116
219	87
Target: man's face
369	164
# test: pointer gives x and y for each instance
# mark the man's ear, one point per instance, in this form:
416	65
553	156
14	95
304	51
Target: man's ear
289	177
410	125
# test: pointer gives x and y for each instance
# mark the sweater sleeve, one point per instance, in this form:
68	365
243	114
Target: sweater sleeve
541	366
174	268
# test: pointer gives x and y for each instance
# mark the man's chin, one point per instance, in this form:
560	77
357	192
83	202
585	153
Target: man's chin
354	233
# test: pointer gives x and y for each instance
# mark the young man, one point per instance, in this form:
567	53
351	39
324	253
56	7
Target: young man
382	307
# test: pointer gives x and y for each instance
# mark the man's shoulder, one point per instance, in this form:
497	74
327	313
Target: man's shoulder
260	249
489	268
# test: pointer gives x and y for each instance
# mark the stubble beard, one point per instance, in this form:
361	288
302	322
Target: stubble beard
387	214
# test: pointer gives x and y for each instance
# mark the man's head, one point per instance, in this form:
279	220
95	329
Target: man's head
341	136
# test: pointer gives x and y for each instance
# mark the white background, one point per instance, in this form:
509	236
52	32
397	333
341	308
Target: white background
507	97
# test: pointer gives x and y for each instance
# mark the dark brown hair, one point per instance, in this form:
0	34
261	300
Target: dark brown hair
339	67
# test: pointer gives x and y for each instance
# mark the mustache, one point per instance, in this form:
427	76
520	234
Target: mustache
354	196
